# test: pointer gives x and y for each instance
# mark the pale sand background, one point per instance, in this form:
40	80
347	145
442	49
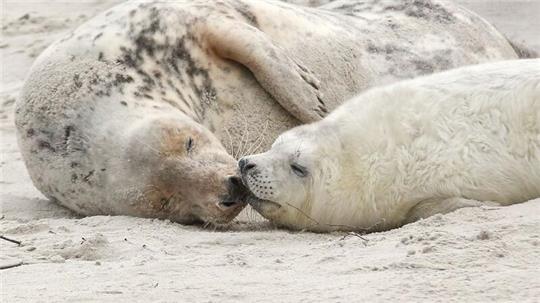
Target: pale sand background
475	255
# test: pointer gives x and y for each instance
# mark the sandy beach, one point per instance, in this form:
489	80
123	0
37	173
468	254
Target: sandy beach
489	254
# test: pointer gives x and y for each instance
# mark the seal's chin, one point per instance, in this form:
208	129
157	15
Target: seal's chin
265	207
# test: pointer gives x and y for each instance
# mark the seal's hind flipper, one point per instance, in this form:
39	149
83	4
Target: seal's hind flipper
435	206
286	79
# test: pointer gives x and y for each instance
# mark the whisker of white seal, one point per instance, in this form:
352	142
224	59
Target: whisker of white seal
249	147
245	137
257	144
240	113
231	145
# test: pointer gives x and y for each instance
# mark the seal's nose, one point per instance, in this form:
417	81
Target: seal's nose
245	165
233	183
236	192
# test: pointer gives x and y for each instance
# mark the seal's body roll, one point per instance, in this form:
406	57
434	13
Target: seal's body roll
132	112
394	154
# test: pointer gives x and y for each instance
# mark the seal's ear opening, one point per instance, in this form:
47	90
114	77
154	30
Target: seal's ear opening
285	79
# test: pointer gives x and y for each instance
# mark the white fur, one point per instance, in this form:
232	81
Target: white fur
87	113
401	152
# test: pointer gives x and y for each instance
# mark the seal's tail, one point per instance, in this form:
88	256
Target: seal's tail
523	51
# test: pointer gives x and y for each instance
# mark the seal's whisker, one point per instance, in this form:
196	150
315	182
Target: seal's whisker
231	143
250	148
245	137
260	140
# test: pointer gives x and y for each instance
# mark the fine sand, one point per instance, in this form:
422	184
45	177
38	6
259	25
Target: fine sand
471	255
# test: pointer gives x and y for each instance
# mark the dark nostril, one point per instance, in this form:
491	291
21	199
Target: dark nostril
242	163
235	181
228	204
245	165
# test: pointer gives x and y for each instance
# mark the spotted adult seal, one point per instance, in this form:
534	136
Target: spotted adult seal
128	114
394	154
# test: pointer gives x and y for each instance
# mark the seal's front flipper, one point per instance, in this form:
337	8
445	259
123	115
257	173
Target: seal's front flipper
286	79
435	206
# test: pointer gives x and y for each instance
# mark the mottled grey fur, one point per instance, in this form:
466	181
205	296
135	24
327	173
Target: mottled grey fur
152	58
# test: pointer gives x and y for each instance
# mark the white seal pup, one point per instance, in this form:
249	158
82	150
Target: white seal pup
394	154
127	114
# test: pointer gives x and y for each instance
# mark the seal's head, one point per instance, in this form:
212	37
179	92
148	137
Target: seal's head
290	182
182	172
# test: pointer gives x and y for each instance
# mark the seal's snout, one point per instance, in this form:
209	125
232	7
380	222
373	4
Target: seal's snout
237	193
245	165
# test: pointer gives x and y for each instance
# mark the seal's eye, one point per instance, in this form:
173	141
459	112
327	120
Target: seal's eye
189	144
299	170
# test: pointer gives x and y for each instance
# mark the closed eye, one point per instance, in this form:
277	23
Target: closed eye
299	170
190	143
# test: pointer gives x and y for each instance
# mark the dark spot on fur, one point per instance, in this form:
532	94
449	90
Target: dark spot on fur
423	9
176	65
244	10
171	102
127	57
372	48
121	79
124	103
98	36
67	133
386	49
423	66
45	145
144	44
390	23
88	176
30	132
77	81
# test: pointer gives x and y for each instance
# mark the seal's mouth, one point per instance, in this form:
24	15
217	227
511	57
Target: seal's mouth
261	205
229	203
236	195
